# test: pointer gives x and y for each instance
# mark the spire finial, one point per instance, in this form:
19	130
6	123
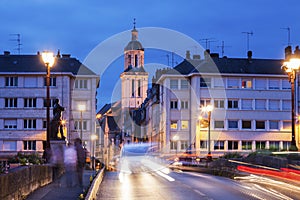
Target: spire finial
134	23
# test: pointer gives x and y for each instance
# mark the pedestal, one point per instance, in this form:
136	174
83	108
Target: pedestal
57	151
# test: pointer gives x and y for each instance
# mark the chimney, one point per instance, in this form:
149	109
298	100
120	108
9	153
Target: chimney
214	55
6	53
187	55
206	54
288	52
196	57
249	55
66	55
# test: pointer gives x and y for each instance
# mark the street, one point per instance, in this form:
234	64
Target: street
190	185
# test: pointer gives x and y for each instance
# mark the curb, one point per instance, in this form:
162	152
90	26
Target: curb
92	193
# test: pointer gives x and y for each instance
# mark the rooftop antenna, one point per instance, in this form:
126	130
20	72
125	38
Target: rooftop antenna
208	41
248	34
18	39
223	47
289	35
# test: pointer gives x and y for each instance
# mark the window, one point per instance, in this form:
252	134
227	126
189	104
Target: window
232	83
29	123
139	88
184	144
233	145
219	124
203	144
274	84
53	82
136	60
246	83
260	145
246	104
29	145
274	145
174	84
184	124
232	124
246	124
273	125
218	82
260	84
204	102
287	125
78	125
246	145
218	103
30	82
286	145
51	103
184	84
44	124
233	104
10	123
184	105
30	103
11	102
286	105
286	85
205	82
219	145
173	145
9	145
260	104
11	81
132	88
274	105
81	84
174	104
173	125
260	124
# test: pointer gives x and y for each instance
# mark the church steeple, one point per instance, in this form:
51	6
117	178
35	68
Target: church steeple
133	52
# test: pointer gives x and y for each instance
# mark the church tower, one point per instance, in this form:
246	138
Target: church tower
134	81
134	78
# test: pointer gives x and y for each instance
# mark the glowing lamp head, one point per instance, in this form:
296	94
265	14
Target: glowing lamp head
81	107
48	58
208	108
292	64
94	137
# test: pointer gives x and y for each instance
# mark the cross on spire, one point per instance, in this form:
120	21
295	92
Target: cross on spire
134	23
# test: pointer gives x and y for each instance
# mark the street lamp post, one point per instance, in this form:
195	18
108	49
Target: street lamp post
48	59
81	109
93	138
291	66
208	109
175	139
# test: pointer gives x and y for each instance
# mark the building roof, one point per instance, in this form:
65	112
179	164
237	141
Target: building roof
225	66
33	63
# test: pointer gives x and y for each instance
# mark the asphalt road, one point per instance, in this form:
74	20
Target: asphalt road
190	185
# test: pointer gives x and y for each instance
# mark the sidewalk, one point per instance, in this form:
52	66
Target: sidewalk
59	190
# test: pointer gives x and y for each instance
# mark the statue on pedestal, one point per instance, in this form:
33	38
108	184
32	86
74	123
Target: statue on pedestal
56	122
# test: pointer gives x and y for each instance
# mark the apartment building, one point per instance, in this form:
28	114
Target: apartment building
23	97
251	101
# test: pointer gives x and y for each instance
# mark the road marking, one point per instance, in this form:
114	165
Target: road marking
169	178
200	193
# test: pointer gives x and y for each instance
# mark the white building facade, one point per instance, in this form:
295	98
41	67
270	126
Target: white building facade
251	101
23	95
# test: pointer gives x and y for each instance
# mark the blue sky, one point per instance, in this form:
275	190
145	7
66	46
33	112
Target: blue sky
77	27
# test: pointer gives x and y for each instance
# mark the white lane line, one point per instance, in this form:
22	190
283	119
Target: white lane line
200	193
169	178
